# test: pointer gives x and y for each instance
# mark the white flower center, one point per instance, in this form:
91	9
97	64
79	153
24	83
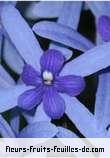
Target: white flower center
47	77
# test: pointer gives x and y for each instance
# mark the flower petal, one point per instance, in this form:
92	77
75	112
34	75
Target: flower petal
72	85
6	80
29	99
81	117
65	51
9	96
67	17
5	129
52	60
102	104
54	105
40	114
21	35
100	99
65	133
44	9
62	34
99	8
90	62
11	57
30	76
39	130
103	27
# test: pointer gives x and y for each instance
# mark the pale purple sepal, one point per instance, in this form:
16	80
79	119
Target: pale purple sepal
9	96
70	14
90	62
65	133
39	130
102	104
6	81
21	34
39	115
12	57
44	9
99	8
81	117
62	34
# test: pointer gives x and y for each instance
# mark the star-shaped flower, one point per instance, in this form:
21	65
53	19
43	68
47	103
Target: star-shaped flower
48	84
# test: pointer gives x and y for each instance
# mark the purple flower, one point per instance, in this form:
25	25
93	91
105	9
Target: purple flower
104	27
48	83
90	62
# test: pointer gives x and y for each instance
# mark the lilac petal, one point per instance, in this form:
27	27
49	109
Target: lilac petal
15	121
72	85
103	27
62	34
11	57
30	76
52	60
39	115
99	8
44	9
81	117
65	133
90	62
102	105
21	35
54	105
39	130
67	17
100	99
9	96
5	129
6	80
29	99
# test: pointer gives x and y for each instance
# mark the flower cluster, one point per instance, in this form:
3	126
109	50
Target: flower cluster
47	76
